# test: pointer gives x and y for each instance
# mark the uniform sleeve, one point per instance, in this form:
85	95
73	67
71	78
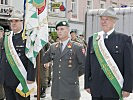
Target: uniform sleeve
128	66
47	56
87	68
81	59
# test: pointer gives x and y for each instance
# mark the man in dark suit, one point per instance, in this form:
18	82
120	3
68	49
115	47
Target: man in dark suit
14	60
68	59
108	67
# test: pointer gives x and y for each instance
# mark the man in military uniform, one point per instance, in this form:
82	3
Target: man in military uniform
1	42
68	60
14	61
82	37
75	38
108	67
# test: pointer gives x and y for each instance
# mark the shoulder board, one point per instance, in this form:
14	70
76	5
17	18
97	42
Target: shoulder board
76	43
56	44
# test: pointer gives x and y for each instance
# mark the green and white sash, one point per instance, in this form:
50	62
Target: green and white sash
107	63
17	66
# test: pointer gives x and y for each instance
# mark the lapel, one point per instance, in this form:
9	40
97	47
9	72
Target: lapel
112	34
67	48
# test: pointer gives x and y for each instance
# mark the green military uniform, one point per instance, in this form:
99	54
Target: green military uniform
66	66
82	42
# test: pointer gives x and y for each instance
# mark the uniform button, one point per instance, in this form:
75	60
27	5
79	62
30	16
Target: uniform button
19	54
59	72
117	51
60	59
70	66
59	78
59	65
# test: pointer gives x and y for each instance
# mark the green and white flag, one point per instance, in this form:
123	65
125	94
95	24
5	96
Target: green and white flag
36	28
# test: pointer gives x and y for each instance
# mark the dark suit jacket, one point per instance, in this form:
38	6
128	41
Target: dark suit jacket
120	48
8	78
66	65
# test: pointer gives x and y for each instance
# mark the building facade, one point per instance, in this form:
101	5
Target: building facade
72	10
76	10
96	4
5	12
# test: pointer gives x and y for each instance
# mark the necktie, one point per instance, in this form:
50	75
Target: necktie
105	35
61	47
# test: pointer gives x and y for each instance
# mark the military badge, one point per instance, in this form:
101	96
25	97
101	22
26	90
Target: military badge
64	23
69	45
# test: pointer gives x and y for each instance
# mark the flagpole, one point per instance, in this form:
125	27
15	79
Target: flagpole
38	76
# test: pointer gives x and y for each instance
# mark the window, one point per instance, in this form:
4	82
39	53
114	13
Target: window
103	0
4	2
102	4
89	4
74	8
114	4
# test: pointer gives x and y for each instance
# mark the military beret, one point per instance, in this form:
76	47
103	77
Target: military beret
1	28
62	23
73	31
17	15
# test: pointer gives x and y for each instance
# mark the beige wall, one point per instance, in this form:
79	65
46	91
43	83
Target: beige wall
68	10
82	8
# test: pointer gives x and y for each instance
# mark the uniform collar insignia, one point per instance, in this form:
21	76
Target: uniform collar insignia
69	45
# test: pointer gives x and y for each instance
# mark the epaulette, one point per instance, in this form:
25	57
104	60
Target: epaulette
77	43
56	44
